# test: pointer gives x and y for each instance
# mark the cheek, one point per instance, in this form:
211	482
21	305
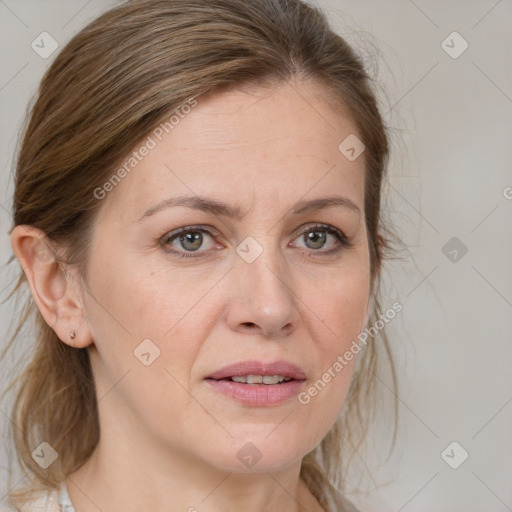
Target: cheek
339	313
130	306
133	302
346	309
340	305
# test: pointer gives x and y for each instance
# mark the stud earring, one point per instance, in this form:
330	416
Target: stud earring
72	335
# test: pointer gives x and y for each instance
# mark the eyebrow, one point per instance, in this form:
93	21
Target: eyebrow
215	207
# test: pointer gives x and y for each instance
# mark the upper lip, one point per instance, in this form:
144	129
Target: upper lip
242	368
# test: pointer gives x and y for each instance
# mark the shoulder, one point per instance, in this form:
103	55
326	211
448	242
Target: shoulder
40	501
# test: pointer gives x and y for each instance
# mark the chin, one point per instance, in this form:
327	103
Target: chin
261	452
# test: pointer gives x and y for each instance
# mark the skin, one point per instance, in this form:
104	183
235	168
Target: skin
166	436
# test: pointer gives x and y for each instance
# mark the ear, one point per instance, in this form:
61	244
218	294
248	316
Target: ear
56	291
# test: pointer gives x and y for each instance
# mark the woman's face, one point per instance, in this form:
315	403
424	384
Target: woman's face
254	286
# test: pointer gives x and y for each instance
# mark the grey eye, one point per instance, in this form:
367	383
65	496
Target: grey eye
315	239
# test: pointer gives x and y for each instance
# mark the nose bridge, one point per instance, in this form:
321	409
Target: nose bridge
263	296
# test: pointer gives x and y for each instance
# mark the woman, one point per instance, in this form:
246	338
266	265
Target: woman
196	214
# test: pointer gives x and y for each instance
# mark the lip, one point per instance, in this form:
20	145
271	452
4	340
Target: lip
283	368
258	395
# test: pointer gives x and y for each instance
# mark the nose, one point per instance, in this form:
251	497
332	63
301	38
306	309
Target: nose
262	301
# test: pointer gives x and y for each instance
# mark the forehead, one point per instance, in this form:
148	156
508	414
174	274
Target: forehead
246	143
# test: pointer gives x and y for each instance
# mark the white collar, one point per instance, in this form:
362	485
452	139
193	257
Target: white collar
64	500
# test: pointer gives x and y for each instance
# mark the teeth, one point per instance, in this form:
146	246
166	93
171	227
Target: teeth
260	379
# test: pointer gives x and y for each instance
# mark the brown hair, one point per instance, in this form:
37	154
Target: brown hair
112	84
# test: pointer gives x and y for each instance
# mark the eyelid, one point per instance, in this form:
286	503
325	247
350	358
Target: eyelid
193	227
344	242
343	239
203	228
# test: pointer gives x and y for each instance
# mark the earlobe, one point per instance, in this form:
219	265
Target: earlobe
53	289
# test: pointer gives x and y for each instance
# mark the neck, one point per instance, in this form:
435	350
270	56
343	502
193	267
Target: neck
120	476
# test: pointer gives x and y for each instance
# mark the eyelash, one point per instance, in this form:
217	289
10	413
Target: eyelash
343	241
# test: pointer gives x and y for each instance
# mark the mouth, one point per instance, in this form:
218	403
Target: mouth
258	384
258	372
258	379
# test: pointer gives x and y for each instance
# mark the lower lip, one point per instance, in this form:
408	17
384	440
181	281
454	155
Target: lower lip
259	395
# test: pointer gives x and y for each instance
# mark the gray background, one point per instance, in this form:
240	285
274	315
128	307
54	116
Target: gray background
450	121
